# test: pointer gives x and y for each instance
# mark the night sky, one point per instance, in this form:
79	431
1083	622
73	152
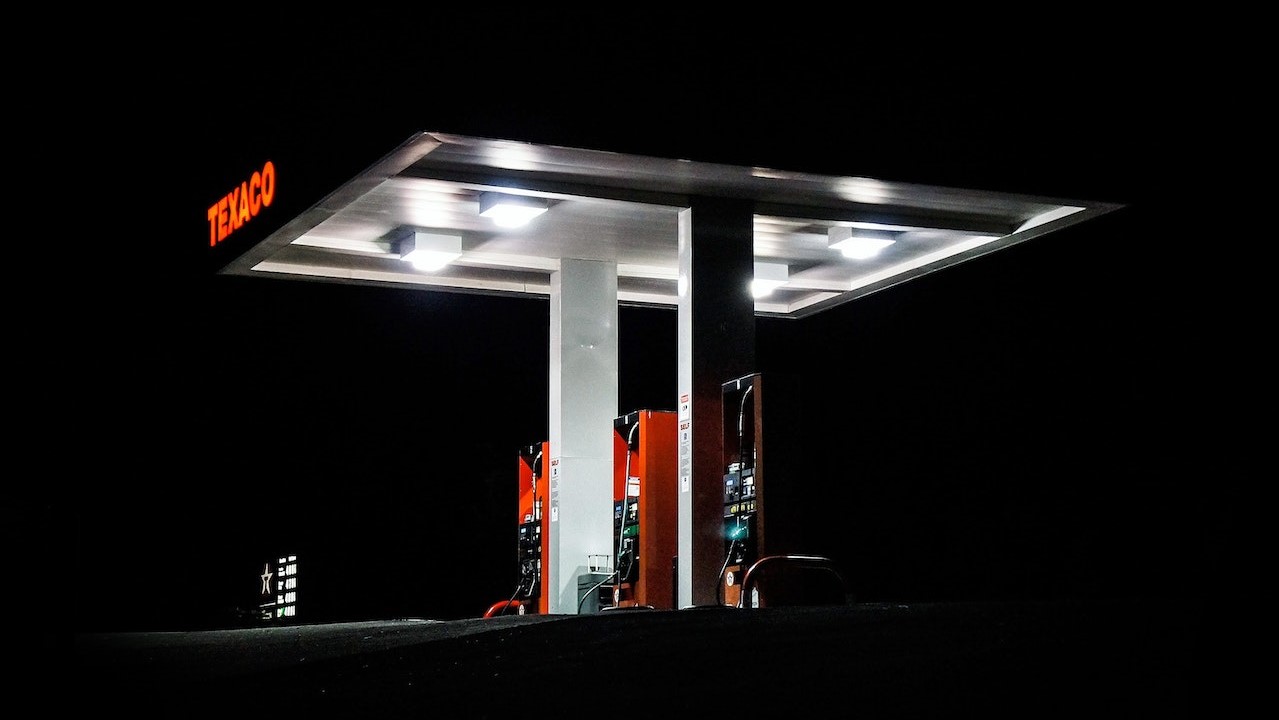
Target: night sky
1039	423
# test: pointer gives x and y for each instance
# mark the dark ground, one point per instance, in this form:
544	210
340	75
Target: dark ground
992	660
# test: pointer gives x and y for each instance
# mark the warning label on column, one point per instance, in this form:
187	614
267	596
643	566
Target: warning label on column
685	455
555	489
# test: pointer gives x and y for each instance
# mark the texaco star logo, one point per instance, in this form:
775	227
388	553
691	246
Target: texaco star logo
266	579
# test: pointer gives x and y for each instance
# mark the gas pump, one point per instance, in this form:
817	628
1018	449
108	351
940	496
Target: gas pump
645	509
530	594
772	505
533	536
741	531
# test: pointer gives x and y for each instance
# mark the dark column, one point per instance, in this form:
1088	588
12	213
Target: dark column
716	344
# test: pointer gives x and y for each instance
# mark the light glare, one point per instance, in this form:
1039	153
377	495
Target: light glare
859	244
430	252
863	248
512	215
768	277
511	210
431	260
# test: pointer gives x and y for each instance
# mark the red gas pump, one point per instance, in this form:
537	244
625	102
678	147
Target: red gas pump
645	509
530	594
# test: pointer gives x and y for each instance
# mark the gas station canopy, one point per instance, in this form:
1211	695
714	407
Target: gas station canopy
429	193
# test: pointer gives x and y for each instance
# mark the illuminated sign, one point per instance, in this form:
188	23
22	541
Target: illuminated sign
279	598
241	204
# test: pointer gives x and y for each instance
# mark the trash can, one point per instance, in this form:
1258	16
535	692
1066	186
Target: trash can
593	592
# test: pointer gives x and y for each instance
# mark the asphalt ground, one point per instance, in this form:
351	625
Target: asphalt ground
1122	658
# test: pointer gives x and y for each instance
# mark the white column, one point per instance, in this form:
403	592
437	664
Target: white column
583	405
684	421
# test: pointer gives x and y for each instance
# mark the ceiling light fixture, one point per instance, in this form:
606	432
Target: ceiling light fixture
430	251
859	244
768	277
511	210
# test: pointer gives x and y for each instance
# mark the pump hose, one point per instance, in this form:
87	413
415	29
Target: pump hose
626	478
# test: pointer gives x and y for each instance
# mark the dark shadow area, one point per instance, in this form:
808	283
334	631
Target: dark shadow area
994	660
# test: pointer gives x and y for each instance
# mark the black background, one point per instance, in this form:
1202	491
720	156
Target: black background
1053	420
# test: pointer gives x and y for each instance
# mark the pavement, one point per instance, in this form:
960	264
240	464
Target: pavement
1119	658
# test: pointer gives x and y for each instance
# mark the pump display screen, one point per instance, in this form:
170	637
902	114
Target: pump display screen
732	487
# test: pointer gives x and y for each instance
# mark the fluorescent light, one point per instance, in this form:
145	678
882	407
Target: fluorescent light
768	277
429	251
858	244
510	210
